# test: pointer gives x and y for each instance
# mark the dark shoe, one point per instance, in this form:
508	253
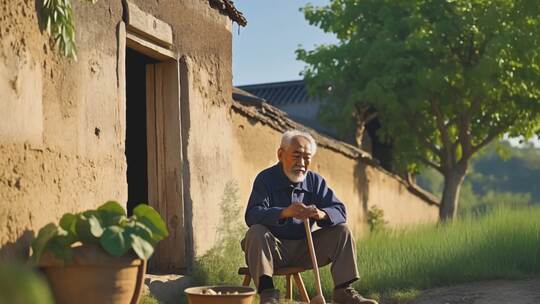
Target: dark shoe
269	296
349	296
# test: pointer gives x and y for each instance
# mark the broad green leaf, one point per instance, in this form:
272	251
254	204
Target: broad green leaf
142	231
67	222
39	244
61	248
95	226
113	207
111	213
111	219
114	241
141	247
150	218
84	227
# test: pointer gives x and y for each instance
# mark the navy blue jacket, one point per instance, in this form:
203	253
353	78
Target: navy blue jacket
273	191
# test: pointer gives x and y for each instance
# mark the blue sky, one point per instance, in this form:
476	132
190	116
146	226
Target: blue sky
264	49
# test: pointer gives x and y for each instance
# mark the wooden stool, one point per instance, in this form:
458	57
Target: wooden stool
287	272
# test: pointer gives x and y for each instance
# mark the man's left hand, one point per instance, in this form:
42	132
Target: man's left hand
315	213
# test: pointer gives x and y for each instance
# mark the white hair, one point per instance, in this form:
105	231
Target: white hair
288	136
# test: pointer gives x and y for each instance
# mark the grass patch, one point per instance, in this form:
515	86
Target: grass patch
503	245
148	299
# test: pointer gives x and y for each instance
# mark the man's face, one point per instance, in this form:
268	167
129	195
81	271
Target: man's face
295	159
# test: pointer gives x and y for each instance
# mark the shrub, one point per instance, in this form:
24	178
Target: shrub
219	264
375	219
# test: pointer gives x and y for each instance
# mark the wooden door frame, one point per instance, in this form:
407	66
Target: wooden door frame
165	145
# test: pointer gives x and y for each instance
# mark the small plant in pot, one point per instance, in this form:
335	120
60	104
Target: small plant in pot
99	255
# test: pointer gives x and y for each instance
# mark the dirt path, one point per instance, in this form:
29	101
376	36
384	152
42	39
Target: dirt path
491	292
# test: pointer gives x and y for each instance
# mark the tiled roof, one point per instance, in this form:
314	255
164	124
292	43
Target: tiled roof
227	7
288	94
281	93
259	108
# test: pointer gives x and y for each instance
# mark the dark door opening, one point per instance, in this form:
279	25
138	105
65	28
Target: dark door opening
136	133
154	149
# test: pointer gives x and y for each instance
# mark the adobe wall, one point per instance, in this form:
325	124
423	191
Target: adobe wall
62	122
62	126
358	183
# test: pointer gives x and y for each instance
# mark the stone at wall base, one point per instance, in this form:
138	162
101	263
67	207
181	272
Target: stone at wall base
166	288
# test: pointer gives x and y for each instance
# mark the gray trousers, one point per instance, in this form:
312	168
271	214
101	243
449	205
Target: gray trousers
264	252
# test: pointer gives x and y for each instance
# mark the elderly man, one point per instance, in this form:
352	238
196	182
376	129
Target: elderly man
282	196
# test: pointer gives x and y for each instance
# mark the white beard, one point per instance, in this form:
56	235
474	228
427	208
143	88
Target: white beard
296	178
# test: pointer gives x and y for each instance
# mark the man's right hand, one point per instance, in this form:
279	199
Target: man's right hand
299	211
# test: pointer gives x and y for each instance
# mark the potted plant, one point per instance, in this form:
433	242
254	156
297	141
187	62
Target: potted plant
98	256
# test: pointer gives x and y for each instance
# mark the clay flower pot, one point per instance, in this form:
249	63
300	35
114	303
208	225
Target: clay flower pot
94	276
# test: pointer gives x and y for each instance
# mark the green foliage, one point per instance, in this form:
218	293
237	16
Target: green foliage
232	226
445	77
220	264
23	285
512	173
375	219
108	226
148	299
473	205
58	16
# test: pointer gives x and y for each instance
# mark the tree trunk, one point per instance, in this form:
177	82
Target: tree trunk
363	115
452	185
359	134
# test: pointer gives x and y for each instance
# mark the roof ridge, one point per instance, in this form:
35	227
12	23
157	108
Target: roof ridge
227	7
273	84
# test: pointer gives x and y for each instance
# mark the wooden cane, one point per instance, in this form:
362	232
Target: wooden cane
319	298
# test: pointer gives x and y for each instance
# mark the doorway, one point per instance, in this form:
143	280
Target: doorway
154	148
136	131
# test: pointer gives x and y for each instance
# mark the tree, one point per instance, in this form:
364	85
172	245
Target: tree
445	77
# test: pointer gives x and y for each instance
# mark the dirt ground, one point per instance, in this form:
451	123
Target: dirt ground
491	292
166	290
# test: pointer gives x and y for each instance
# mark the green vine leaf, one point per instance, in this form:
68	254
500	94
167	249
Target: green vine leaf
58	16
